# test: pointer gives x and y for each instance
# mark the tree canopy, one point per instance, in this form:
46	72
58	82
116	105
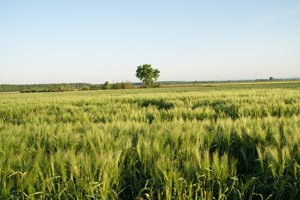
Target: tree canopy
147	74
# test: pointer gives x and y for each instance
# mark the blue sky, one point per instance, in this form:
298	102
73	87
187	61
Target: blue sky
43	41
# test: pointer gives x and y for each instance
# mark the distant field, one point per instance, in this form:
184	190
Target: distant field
202	141
241	84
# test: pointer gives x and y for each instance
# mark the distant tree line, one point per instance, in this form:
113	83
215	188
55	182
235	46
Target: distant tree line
117	85
48	87
62	87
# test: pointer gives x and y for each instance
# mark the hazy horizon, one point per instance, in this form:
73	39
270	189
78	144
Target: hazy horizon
97	41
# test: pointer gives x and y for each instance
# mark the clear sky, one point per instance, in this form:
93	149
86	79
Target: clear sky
55	41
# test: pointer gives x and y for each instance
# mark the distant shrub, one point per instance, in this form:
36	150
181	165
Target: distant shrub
86	88
116	86
123	85
106	86
126	85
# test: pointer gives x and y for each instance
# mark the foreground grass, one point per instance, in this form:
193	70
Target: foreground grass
226	142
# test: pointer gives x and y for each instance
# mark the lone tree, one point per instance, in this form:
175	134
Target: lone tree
147	74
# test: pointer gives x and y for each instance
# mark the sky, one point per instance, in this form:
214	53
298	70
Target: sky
93	41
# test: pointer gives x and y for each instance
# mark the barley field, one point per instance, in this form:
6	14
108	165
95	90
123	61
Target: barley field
231	141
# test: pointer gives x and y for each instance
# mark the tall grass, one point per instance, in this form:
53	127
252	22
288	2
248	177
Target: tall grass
212	144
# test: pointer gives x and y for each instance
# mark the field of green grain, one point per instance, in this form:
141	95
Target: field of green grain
234	141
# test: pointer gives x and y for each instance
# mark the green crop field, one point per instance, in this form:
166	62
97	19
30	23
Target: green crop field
209	141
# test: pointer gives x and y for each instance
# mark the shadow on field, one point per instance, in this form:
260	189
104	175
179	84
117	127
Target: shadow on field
221	108
160	104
